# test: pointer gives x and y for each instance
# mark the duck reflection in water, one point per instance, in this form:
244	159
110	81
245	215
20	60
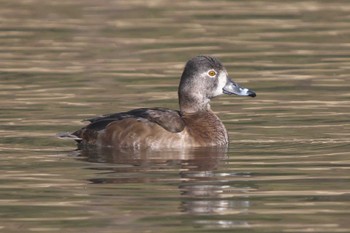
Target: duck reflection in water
202	188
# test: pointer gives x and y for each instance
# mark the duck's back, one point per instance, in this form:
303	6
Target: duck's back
136	129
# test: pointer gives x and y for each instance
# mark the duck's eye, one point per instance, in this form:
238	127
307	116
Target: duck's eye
211	73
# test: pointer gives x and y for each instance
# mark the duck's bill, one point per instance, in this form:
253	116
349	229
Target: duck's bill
232	88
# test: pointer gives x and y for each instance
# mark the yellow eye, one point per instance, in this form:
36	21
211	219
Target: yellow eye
211	73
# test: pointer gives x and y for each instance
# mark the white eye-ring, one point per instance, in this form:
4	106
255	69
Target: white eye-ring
212	73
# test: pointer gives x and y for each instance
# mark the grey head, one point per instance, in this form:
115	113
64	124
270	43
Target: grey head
204	78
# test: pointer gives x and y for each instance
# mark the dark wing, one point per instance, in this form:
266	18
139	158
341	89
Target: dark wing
168	119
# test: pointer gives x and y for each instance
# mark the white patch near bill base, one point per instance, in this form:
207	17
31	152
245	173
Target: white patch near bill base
222	80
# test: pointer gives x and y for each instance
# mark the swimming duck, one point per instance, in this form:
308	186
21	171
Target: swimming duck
194	125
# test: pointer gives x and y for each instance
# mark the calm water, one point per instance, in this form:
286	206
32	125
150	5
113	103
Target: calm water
287	168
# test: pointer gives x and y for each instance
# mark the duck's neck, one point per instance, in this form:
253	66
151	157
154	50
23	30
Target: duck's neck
193	103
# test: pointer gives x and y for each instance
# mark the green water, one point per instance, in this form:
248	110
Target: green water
287	167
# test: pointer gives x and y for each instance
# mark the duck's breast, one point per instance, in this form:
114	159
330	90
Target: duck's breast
205	129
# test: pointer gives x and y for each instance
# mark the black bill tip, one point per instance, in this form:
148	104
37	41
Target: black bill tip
251	93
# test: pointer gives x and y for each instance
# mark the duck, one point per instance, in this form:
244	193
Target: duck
193	125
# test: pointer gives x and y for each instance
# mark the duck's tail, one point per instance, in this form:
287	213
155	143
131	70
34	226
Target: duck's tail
69	136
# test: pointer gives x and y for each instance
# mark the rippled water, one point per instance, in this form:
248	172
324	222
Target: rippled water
287	168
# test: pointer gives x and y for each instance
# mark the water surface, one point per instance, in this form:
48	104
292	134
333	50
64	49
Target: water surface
287	167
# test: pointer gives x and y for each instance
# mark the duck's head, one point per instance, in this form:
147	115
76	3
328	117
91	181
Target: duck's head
204	78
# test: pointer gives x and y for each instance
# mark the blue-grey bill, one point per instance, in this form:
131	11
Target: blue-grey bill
232	88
